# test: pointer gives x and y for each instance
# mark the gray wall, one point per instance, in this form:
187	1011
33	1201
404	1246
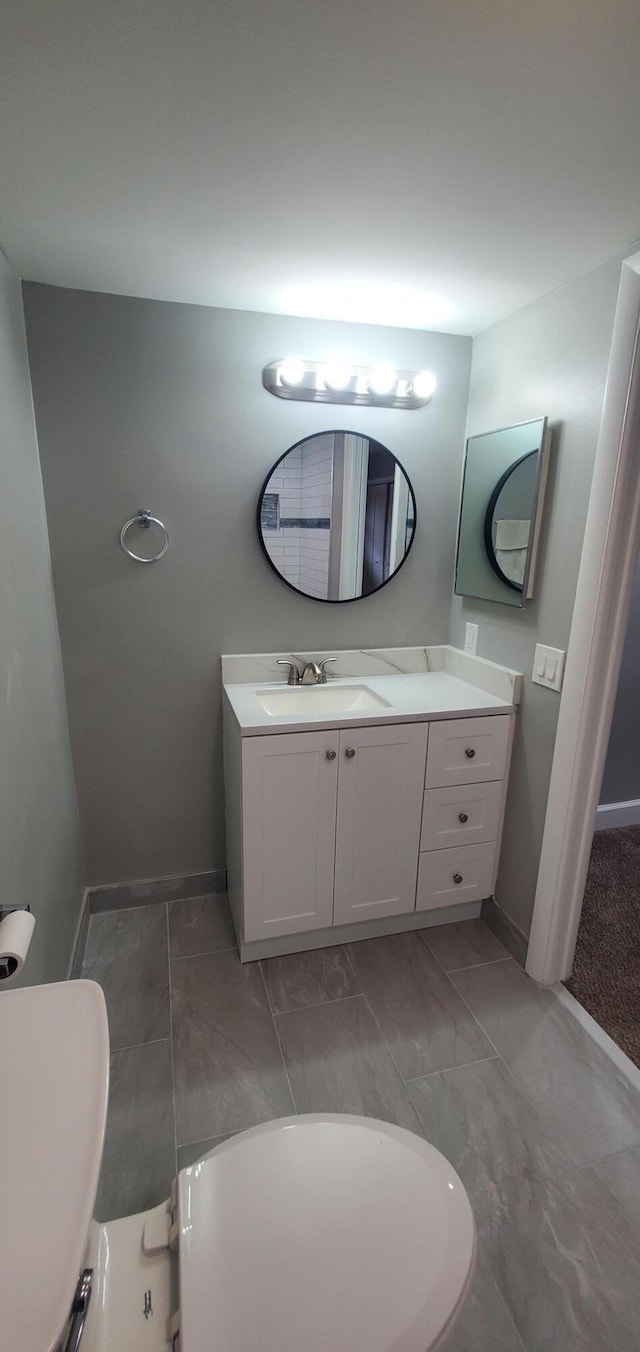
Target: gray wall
145	403
550	357
621	779
40	851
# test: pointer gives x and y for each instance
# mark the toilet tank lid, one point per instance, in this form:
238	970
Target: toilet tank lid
54	1079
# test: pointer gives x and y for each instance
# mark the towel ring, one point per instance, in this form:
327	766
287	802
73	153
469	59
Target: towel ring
144	519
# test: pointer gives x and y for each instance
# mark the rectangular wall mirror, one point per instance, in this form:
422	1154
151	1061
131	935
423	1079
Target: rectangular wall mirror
502	494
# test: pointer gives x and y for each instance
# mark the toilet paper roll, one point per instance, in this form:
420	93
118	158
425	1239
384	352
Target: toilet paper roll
15	936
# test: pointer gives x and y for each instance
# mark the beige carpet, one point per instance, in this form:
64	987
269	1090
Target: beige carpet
606	970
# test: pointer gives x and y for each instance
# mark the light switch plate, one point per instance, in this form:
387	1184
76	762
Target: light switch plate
470	638
548	667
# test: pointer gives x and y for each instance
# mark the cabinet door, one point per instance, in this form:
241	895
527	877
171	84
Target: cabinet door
378	827
289	817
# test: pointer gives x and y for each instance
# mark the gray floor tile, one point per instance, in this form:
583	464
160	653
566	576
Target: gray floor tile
465	944
127	955
338	1063
190	1154
484	1323
565	1274
588	1105
81	943
139	1154
423	1020
311	978
619	1178
200	925
228	1068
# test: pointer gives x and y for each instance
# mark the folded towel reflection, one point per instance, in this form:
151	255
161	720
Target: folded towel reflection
511	534
511	541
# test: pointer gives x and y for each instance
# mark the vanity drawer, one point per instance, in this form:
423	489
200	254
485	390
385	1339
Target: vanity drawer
462	815
467	750
449	876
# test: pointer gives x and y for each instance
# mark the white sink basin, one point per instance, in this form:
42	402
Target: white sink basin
320	699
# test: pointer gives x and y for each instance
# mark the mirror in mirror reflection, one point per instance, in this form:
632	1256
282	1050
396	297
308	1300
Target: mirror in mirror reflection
500	510
336	516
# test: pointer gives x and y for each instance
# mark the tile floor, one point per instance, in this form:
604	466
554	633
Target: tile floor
437	1030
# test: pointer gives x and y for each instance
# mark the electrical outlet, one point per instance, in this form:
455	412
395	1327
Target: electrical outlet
470	638
548	667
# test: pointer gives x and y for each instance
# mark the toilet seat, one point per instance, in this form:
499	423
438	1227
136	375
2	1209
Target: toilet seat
322	1233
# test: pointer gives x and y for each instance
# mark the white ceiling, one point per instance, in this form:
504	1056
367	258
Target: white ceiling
429	163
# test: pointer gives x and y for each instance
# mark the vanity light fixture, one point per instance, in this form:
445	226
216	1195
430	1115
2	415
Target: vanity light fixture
382	380
337	382
291	371
424	384
337	375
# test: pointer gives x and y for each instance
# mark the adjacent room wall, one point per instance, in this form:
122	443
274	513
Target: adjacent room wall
621	779
151	404
549	358
40	849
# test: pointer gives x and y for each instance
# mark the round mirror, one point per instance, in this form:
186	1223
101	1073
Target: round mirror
336	516
507	524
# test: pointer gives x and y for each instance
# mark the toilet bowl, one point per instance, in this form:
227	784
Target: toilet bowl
317	1233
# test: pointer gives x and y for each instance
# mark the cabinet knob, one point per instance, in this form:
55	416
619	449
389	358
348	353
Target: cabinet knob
331	755
350	752
463	816
457	878
469	753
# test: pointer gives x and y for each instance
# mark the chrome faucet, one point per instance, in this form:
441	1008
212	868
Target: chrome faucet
311	674
314	673
294	671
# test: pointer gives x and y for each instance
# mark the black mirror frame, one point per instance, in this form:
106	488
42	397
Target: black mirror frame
347	600
488	522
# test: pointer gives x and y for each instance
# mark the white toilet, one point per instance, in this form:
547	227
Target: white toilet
322	1233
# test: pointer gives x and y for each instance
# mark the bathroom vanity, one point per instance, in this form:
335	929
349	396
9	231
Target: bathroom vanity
369	804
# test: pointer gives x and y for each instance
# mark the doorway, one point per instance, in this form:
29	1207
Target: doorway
378	517
594	654
606	968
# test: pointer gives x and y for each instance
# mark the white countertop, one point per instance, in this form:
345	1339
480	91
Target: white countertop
411	698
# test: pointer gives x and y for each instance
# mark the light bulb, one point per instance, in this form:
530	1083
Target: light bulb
337	375
424	384
382	379
291	371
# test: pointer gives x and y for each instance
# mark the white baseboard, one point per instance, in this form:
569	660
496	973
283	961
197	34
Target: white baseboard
620	1059
618	814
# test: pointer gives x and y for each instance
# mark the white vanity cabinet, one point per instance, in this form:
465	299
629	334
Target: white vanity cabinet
366	805
331	826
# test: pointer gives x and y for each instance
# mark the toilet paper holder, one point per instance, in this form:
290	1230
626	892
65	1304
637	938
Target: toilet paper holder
8	910
11	964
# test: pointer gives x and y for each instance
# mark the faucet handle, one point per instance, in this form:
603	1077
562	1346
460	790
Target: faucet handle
294	671
322	665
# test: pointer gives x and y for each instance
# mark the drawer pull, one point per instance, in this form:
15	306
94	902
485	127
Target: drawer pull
457	878
331	755
350	752
469	753
463	817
